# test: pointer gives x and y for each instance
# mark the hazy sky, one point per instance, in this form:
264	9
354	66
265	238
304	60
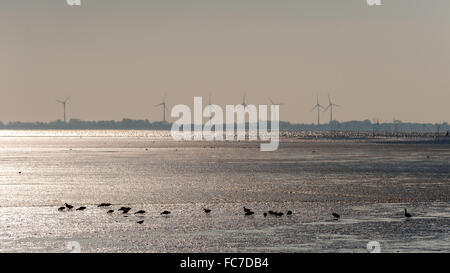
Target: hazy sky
118	58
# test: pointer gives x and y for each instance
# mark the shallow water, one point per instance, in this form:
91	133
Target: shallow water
369	184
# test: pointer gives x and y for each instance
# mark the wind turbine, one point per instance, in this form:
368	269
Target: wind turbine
64	104
330	106
273	103
318	106
163	104
243	101
210	105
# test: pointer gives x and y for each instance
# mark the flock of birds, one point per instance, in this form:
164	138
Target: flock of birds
247	211
124	210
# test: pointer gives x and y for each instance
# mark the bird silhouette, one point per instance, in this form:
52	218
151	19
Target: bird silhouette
289	212
206	210
247	210
140	212
407	215
104	205
61	208
68	206
81	208
166	212
336	216
125	210
110	211
140	222
248	213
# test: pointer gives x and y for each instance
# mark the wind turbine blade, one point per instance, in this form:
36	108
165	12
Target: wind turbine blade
327	108
159	104
329	99
60	101
67	99
271	101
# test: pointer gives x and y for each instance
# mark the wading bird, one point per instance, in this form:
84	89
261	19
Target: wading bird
336	216
206	210
125	210
407	215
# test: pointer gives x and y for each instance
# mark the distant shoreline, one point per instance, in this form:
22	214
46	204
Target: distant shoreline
286	136
394	128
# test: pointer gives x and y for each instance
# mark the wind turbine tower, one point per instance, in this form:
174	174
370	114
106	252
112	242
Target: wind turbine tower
163	104
243	101
64	104
210	105
330	106
318	106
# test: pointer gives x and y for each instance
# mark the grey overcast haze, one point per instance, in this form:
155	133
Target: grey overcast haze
118	58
